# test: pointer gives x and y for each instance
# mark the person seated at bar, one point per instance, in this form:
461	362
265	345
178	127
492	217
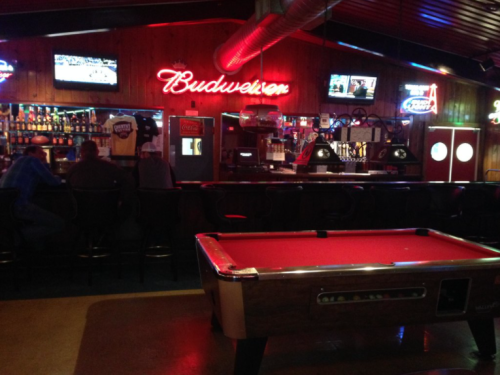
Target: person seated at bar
92	172
26	174
152	171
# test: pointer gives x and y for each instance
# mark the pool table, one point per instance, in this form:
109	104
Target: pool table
265	284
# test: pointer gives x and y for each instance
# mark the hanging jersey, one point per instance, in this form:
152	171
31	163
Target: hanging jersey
123	130
146	129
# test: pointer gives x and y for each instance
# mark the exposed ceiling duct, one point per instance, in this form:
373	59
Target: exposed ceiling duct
259	34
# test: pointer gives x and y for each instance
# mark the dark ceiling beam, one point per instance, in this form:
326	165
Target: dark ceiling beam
14	26
36	6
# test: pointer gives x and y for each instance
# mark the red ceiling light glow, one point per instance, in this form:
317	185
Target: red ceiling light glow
179	82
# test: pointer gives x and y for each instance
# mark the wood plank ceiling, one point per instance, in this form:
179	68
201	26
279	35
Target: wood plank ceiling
466	29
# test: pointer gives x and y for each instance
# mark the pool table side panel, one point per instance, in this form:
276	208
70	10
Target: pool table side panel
226	299
276	307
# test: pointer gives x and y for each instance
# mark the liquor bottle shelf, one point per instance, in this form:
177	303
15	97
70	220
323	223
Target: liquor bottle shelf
44	132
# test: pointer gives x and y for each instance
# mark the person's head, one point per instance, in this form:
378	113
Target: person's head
148	150
362	82
37	152
89	150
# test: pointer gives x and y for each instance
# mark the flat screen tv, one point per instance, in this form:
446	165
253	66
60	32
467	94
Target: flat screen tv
85	71
353	88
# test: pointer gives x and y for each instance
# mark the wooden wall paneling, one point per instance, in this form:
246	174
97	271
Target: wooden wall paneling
143	51
458	114
65	44
457	109
155	56
150	69
492	154
32	67
120	42
469	103
448	103
445	104
470	114
38	54
18	86
461	106
135	54
90	42
455	115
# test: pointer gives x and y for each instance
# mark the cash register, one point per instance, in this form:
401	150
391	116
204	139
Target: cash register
246	160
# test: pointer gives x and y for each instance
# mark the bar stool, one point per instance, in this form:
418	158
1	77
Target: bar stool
158	217
481	213
12	241
390	206
283	203
336	209
446	208
360	215
96	220
213	199
418	207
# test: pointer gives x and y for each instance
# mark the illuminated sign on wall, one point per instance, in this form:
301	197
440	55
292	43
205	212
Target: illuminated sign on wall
417	102
191	127
179	82
6	70
495	116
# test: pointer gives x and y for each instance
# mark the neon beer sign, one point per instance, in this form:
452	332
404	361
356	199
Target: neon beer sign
179	82
6	70
418	103
495	116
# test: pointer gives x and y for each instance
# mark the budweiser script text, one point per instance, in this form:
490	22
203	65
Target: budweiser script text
179	82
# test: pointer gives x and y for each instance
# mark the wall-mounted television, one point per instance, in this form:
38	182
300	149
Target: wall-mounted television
85	71
354	88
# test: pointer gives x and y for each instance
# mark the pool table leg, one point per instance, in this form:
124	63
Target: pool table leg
483	331
215	323
249	354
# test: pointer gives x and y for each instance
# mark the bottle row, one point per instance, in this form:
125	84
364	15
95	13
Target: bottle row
34	118
74	127
61	139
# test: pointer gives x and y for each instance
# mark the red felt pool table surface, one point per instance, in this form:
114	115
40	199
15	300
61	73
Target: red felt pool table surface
299	249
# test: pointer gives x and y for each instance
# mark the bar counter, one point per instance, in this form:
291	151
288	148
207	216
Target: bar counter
323	205
319	176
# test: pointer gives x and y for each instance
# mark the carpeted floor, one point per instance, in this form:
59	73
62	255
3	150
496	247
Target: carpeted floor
53	281
169	333
50	325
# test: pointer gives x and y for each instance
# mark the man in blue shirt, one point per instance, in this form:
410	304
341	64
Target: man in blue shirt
26	174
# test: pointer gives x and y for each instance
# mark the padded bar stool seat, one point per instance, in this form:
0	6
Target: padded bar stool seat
213	199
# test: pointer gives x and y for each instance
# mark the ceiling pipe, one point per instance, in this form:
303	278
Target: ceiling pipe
255	35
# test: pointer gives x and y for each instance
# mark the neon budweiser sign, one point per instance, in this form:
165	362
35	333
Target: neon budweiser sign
179	82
